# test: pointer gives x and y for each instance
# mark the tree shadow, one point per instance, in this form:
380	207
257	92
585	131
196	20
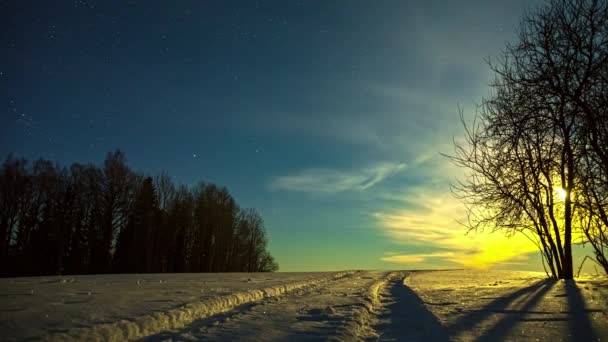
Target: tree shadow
579	323
578	315
533	292
408	319
500	330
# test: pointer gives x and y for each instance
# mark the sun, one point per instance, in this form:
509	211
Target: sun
561	193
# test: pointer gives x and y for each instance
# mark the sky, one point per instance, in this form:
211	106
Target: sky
329	117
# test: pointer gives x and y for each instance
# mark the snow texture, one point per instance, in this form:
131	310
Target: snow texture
315	313
177	318
459	305
513	306
358	326
120	307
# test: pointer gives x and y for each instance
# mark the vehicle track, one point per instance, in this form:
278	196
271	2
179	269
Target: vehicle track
177	318
402	316
314	313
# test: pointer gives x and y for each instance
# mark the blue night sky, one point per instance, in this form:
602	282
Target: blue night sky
326	116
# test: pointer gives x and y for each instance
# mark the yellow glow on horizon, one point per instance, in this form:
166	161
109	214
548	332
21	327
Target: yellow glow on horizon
437	227
414	258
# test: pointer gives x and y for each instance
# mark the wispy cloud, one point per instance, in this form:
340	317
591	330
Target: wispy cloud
437	227
330	181
415	258
401	119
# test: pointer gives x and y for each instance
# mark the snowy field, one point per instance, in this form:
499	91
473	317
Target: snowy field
513	306
352	305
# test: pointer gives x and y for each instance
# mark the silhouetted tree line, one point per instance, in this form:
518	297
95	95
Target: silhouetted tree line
90	219
537	154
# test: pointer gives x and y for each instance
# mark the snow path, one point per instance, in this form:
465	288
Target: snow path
514	306
358	325
463	305
178	317
402	316
33	307
331	310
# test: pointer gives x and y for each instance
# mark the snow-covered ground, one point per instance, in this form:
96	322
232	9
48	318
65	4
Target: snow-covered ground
332	310
34	307
342	306
513	306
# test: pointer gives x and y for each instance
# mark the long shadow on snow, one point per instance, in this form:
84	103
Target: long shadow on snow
500	330
469	321
580	325
408	319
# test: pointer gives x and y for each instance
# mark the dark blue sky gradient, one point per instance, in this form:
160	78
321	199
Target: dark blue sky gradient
321	114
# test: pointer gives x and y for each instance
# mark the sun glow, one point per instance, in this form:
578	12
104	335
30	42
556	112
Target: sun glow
438	227
561	193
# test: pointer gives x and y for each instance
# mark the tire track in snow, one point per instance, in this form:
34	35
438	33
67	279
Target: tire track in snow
203	329
179	317
359	325
312	313
402	316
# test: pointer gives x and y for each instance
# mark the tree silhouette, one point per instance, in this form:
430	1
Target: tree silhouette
14	187
142	225
86	219
542	133
114	197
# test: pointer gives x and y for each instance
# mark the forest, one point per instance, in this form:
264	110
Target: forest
88	219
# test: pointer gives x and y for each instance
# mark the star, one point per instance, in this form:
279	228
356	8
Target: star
194	155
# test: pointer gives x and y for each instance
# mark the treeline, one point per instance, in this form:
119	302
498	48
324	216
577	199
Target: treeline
89	219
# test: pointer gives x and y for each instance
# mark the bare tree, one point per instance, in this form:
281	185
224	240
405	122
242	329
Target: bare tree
536	155
115	197
13	189
165	188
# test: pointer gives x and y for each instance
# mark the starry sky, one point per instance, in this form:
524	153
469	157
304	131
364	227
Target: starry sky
327	116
